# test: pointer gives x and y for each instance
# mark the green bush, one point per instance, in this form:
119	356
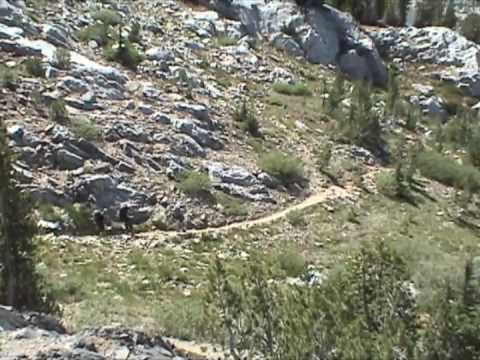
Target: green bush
48	212
126	54
107	17
134	34
247	119
473	147
84	128
386	183
8	78
297	89
231	205
452	97
292	263
34	67
194	183
62	58
471	27
225	40
448	171
296	219
365	311
81	218
96	32
57	112
283	167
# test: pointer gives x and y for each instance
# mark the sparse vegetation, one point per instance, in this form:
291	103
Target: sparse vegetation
386	183
58	112
96	32
247	119
62	59
48	212
284	167
125	53
107	17
86	129
134	36
448	171
297	89
224	40
8	78
296	218
292	263
34	67
81	219
232	206
194	183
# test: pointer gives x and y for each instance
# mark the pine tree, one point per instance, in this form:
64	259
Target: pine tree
20	285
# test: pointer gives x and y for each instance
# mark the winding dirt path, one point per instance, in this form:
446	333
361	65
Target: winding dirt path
330	193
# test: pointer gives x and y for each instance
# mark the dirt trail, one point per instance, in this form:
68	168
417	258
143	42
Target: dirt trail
331	193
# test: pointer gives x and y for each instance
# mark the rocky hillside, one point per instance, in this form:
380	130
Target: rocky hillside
230	129
128	135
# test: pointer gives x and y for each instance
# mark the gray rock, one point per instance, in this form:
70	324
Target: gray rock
253	193
221	173
82	66
159	219
476	108
174	164
140	215
16	133
48	195
281	75
67	161
107	191
57	35
145	109
435	45
7	9
151	92
323	33
10	320
119	131
287	43
10	32
75	354
202	136
199	112
86	102
91	151
184	145
159	54
72	84
268	180
430	106
162	118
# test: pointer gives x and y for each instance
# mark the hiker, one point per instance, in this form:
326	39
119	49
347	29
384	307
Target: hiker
99	219
123	215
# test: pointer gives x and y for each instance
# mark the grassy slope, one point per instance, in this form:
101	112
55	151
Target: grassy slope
160	289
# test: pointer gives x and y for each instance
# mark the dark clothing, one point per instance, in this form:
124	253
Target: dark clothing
99	220
123	215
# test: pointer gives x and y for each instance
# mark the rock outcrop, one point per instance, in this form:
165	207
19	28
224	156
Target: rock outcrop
323	34
435	45
34	336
